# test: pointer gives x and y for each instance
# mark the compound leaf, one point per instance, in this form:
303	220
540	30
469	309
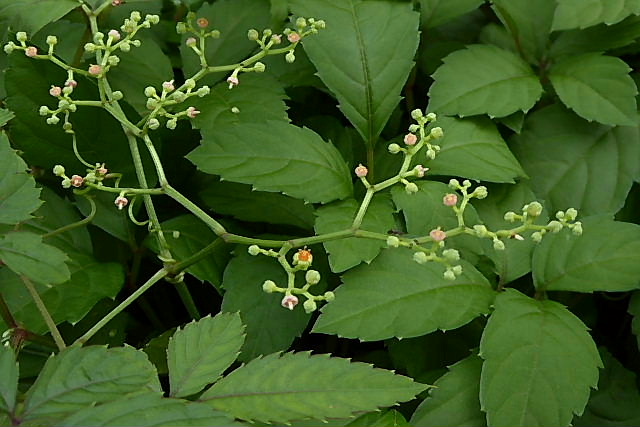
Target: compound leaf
539	363
581	14
596	87
501	84
588	263
18	192
198	354
276	156
438	12
287	387
32	15
364	67
395	296
25	254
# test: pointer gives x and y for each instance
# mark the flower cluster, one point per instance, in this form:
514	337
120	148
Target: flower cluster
170	96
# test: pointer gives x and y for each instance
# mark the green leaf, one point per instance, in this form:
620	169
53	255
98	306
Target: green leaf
597	88
31	15
528	24
239	201
140	67
287	387
70	38
515	261
634	310
363	67
606	257
276	156
198	354
616	402
270	327
232	18
395	296
5	116
26	254
391	418
539	363
79	377
454	399
18	192
8	380
193	236
349	252
259	98
473	148
566	156
581	14
500	85
149	409
438	12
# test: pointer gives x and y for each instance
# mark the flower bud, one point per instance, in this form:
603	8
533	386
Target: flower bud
168	86
312	277
9	47
77	181
361	171
269	286
450	199
510	216
438	235
58	170
67	126
411	188
192	112
576	228
259	67
393	148
152	103
149	91
480	192
235	110
117	95
481	230
55	91
329	296
152	19
52	40
135	16
171	124
533	209
113	60
125	46
31	51
290	57
276	38
414	128
190	83
253	35
233	81
181	28
420	170
454	184
498	245
571	214
293	37
431	153
289	301
179	96
254	250
95	70
449	275
431	117
536	237
410	139
451	255
66	183
555	226
53	120
44	110
191	42
154	124
21	36
420	257
114	35
393	242
203	91
457	270
437	132
309	306
416	114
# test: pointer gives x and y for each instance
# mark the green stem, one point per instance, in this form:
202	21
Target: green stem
126	190
194	209
357	221
44	312
156	160
76	224
124	304
5	313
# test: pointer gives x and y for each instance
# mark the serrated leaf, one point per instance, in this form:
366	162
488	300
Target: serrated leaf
5	116
8	380
438	12
363	67
259	98
539	363
239	201
232	18
149	409
581	14
515	260
395	296
588	263
597	88
107	375
529	24
287	387
276	156
18	192
454	399
616	402
198	354
566	156
26	255
193	236
31	15
349	252
473	148
391	418
500	85
270	327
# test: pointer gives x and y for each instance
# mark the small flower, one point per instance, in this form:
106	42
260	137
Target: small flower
438	235
276	39
102	170
233	81
117	2
55	91
420	170
303	257
361	171
121	202
450	199
410	139
77	181
95	70
31	51
114	34
293	37
289	301
191	42
192	112
269	286
202	22
71	83
168	86
312	277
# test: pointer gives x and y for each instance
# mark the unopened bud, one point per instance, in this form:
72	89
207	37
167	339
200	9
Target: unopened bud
52	40
480	192
451	255
498	245
416	114
154	124
410	139
312	277
58	170
361	171
290	57
533	209
309	306
411	188
114	34
420	257
259	67
393	242
253	34
269	286
394	148
437	132
329	296
555	226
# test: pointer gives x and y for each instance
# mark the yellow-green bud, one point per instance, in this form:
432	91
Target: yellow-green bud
393	242
58	170
312	277
420	257
329	296
449	275
481	192
254	250
52	40
555	226
309	306
571	214
21	36
394	148
498	245
533	209
437	132
252	34
269	286
416	114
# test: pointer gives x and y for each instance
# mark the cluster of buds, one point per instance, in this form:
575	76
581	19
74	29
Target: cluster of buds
93	175
532	210
417	137
30	51
301	261
196	26
66	105
170	95
233	79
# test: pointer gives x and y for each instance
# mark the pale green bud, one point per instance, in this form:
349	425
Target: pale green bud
571	214
58	170
449	275
481	230
577	228
21	36
44	110
259	67
152	103
414	128
190	83
312	277
9	47
411	188
66	183
203	91
98	37
394	148
498	245
393	242
53	120
533	209
329	296
269	286
154	124
536	237
481	192
454	184
135	16
290	57
420	257
253	34
117	95
89	47
431	153
171	124
320	24
451	255
416	114
179	96
181	28
555	226
431	117
437	132
52	40
149	91
254	250
215	34
510	216
301	22
309	306
125	46
136	43
457	270
152	19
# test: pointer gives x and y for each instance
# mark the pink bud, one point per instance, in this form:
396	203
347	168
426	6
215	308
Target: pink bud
102	170
293	37
95	70
438	235
289	301
31	51
168	86
233	81
410	139
121	202
55	91
71	83
114	34
77	181
117	2
361	171
450	199
192	112
191	41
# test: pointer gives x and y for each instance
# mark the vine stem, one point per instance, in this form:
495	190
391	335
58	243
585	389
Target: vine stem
76	224
44	312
